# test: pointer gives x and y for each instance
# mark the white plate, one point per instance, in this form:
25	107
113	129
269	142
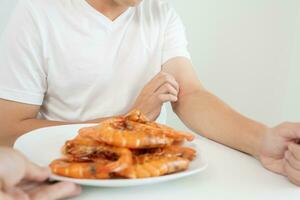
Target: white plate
43	145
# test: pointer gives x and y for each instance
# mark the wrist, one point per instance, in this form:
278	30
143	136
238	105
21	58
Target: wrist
261	133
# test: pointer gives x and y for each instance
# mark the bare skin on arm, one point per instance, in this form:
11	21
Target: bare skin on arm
204	113
277	148
19	118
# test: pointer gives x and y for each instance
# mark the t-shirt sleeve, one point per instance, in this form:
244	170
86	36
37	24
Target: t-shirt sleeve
175	41
22	74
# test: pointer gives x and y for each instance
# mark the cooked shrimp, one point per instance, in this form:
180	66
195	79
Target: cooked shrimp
130	147
82	148
155	166
134	131
175	150
137	116
129	134
81	170
69	147
178	136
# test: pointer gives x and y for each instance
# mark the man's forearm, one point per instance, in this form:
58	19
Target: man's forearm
8	134
207	115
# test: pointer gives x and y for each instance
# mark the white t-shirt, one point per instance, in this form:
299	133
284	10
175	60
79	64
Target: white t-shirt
78	64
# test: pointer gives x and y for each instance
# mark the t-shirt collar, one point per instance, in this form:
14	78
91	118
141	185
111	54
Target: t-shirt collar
119	20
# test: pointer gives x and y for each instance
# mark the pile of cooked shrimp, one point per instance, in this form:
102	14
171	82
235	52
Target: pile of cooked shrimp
125	147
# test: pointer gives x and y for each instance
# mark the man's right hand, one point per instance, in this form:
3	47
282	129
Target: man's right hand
161	89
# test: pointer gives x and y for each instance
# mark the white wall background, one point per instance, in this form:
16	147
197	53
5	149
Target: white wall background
6	7
245	51
242	50
292	101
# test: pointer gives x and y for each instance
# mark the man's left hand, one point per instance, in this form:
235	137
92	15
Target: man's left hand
280	151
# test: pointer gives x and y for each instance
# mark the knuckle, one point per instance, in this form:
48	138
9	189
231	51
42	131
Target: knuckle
168	86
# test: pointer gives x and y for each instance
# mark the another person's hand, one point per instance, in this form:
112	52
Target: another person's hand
280	151
22	180
162	88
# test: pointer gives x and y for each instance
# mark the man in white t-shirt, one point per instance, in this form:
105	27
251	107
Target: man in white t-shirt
74	61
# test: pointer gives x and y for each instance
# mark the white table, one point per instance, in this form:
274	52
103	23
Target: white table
230	175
